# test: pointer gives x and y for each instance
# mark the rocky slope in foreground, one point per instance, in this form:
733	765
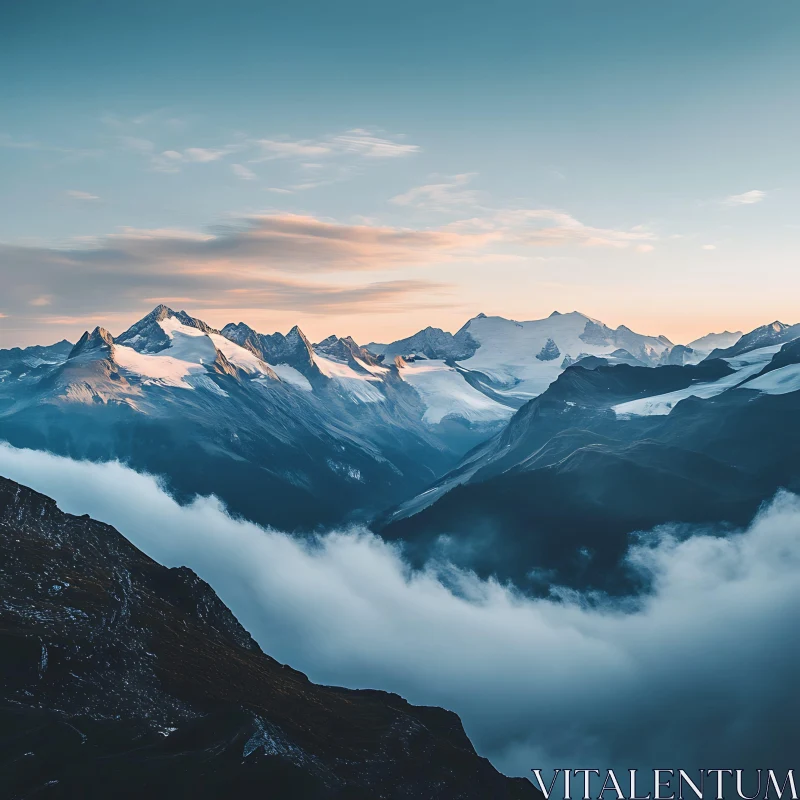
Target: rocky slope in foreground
121	678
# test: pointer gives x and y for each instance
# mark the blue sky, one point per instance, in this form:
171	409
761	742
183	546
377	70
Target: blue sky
368	169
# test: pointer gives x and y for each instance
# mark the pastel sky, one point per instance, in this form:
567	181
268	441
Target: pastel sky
371	168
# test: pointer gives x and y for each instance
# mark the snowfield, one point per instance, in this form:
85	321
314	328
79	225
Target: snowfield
292	376
361	388
746	365
183	363
779	381
239	356
445	393
158	368
508	350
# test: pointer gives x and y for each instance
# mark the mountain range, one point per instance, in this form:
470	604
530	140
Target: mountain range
608	450
533	452
287	432
529	450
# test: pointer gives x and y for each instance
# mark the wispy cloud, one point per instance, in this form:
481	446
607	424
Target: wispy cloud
567	679
359	142
275	148
746	198
259	260
254	260
709	247
205	154
78	195
243	172
366	143
332	157
544	227
171	160
444	196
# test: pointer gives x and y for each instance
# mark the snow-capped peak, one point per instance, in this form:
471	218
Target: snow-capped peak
521	359
149	334
774	333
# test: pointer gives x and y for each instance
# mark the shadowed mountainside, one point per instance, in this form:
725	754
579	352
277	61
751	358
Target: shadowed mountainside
122	678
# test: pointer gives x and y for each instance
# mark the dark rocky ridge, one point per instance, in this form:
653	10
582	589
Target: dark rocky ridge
124	679
346	350
293	349
435	343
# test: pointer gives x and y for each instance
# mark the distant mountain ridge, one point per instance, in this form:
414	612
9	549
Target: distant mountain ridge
310	439
764	336
610	450
296	434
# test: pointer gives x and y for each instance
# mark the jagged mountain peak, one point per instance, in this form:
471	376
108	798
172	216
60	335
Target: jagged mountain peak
98	341
328	340
149	335
435	343
297	335
773	333
241	327
160	312
296	338
346	350
296	331
294	349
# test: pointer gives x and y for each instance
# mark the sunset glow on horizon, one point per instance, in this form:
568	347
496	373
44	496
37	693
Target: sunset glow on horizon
370	174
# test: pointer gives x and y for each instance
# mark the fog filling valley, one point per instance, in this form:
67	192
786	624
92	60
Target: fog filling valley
700	672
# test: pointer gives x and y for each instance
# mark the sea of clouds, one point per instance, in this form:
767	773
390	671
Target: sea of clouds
699	672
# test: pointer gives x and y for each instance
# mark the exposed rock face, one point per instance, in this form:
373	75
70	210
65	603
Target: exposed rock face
293	349
597	334
549	351
96	342
121	678
346	350
435	343
147	336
